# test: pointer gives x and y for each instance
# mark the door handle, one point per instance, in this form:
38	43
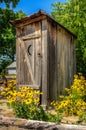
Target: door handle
40	55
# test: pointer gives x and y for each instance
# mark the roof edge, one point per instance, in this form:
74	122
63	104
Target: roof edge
37	14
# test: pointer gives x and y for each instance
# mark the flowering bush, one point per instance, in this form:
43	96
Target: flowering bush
26	103
75	101
26	95
11	86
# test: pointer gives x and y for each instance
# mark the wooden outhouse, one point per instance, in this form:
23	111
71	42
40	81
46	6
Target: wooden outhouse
45	55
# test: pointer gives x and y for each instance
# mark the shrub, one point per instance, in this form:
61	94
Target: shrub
26	103
54	117
74	103
11	86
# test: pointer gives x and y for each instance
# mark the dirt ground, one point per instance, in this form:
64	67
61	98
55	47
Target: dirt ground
5	110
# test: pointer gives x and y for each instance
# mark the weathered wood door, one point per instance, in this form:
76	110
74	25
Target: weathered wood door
30	58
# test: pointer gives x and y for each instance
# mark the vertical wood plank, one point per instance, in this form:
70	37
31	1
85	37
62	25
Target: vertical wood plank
44	63
59	60
66	60
18	57
52	60
26	72
37	54
69	59
72	56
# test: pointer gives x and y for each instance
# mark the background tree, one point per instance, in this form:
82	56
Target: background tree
71	14
7	36
7	33
9	2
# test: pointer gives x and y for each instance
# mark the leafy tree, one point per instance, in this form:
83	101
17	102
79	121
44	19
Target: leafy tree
7	33
71	14
8	2
7	36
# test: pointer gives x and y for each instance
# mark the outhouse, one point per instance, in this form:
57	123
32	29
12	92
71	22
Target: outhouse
45	55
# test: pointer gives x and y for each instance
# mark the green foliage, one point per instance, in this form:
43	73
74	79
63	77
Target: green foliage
72	15
75	101
34	112
83	117
3	64
29	111
7	36
54	117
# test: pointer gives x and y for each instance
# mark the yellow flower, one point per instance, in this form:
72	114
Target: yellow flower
79	112
32	109
67	89
36	100
61	96
37	92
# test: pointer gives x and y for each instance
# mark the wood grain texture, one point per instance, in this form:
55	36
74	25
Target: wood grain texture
37	55
45	57
45	73
52	60
26	57
66	61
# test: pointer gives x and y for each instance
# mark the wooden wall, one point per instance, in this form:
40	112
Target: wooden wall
65	59
61	59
